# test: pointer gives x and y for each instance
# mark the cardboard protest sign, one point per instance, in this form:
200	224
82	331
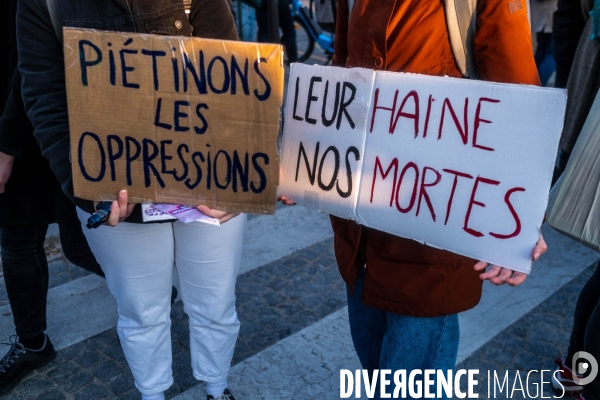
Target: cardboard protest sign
176	120
457	164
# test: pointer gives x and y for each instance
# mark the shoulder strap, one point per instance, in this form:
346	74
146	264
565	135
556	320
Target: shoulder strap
461	21
350	7
54	18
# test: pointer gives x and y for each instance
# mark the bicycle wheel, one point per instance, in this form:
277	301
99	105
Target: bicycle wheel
304	41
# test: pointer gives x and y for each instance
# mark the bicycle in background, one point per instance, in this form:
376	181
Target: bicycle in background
308	32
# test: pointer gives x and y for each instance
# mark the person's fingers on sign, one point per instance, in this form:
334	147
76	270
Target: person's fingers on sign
6	166
222	216
119	209
285	201
499	275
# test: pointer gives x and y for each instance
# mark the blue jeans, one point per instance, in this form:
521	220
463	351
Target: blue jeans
385	340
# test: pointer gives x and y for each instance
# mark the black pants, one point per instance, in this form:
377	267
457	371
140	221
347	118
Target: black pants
286	23
26	270
544	46
586	329
564	52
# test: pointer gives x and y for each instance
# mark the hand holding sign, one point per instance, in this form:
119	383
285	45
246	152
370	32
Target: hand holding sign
455	164
192	121
119	209
222	216
6	165
499	275
285	201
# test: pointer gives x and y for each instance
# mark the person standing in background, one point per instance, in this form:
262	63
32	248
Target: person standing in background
286	23
567	27
585	336
25	178
582	85
542	12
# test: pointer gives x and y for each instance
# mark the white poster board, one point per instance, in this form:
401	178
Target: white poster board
457	164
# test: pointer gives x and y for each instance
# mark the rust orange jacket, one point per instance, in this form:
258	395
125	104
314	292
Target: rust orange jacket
402	275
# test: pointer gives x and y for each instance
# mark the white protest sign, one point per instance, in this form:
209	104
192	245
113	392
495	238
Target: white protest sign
329	106
457	164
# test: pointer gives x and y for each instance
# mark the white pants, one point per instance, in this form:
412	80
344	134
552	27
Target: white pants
138	260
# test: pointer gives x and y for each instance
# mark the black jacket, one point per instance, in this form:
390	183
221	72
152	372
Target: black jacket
32	195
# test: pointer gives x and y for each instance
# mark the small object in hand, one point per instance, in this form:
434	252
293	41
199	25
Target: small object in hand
100	216
186	214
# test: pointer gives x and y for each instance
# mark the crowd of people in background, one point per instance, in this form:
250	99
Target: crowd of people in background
401	315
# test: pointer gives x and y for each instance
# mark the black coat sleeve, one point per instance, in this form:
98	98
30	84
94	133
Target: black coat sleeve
14	124
44	93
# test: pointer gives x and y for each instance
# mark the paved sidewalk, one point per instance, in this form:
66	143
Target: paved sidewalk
273	302
530	344
307	364
276	301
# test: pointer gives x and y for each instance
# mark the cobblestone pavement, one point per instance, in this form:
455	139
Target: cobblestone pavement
530	344
273	302
276	300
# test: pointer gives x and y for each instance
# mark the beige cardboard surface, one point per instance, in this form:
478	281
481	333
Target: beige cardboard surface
174	119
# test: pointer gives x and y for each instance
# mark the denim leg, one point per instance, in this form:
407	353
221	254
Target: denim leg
26	277
385	340
420	343
367	327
